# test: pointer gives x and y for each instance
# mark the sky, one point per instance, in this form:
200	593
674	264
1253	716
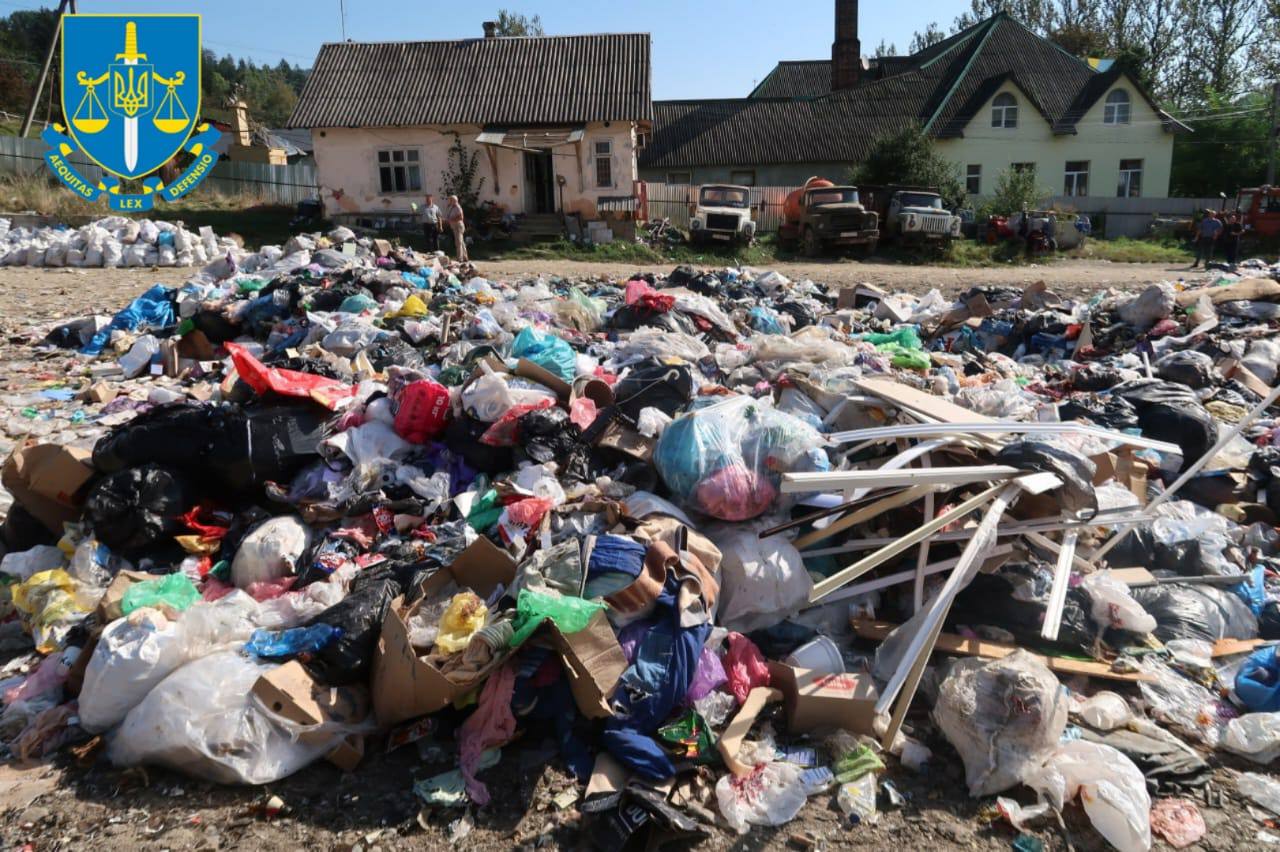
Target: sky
701	49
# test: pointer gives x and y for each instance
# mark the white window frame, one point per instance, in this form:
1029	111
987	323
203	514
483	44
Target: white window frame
736	177
1117	110
1004	111
1075	179
1127	184
973	179
602	151
410	161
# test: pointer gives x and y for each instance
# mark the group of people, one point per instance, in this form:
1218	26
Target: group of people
1213	230
452	217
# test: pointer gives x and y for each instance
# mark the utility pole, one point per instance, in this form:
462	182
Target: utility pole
44	72
1275	134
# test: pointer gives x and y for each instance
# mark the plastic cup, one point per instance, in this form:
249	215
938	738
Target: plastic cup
819	655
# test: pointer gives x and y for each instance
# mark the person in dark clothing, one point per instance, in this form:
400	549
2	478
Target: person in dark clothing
431	223
1231	234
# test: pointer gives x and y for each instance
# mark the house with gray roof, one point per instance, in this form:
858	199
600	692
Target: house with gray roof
553	120
994	96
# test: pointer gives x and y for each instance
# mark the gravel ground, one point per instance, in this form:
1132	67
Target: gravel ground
68	805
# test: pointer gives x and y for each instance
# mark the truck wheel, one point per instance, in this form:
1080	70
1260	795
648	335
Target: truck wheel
812	243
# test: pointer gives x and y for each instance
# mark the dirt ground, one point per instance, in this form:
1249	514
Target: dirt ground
62	804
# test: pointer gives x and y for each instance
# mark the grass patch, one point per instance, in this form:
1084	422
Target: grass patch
1129	250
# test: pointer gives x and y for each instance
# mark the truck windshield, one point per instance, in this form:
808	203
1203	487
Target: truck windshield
918	199
722	196
835	195
1244	201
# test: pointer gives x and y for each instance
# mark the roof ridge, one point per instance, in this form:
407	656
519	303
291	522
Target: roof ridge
479	38
964	72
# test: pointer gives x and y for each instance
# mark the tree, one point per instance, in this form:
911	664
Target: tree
885	48
460	178
1223	154
908	157
1017	189
932	35
1040	16
514	24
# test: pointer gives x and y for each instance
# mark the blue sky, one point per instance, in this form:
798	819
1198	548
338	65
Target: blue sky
702	49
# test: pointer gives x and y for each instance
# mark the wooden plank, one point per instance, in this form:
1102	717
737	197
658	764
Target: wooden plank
1132	575
950	643
935	408
866	513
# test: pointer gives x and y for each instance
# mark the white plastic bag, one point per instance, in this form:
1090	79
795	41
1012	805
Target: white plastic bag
772	794
1261	789
1112	789
1003	716
1105	711
270	552
1113	606
203	720
762	581
1255	736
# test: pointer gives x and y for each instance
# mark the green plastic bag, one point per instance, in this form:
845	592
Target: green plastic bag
570	614
485	512
174	591
691	738
905	337
856	763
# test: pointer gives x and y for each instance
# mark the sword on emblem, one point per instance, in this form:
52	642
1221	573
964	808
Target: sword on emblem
131	94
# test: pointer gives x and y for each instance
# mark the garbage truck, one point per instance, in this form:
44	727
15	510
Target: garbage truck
821	215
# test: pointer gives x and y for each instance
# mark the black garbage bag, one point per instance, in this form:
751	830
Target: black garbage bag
360	615
462	436
547	434
1110	412
23	531
682	276
1189	426
651	384
801	316
1184	611
215	326
136	510
1269	621
994	600
1076	472
1186	367
394	351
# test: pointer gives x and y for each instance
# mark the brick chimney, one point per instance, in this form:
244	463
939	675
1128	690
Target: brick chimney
846	52
490	29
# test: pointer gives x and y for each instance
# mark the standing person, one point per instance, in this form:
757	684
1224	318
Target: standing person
1206	237
1231	234
457	223
431	223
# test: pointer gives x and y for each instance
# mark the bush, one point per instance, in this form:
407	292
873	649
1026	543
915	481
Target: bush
1015	190
908	157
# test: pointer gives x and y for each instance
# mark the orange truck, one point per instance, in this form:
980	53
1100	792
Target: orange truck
1259	208
821	215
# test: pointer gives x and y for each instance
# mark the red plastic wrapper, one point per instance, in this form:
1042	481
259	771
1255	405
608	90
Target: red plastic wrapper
505	432
423	413
330	393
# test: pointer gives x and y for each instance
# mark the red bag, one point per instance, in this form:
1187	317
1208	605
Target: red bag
423	413
330	393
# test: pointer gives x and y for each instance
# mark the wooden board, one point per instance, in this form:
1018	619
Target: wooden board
1132	575
950	643
927	404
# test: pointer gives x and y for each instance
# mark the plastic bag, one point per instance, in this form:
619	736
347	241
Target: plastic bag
465	615
1175	699
132	656
762	580
134	510
547	351
1178	821
727	459
283	644
1260	789
1255	736
1112	789
744	666
813	345
173	592
1113	606
49	601
204	720
1104	711
1258	681
270	552
1196	612
1004	717
771	794
360	615
570	614
331	393
1149	307
423	414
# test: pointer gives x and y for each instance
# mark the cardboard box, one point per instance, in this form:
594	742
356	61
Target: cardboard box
290	691
593	663
815	700
109	604
405	685
46	479
730	742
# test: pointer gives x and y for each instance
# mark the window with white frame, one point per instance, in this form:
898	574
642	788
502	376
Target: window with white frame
399	170
602	150
1130	185
1076	178
973	179
1116	109
743	178
1004	111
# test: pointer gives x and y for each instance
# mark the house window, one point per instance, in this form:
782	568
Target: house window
746	178
679	177
1076	180
399	170
1130	179
973	179
1116	109
1004	111
1023	167
603	150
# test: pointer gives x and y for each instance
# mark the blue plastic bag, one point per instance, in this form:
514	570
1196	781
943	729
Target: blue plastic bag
1258	681
153	309
547	351
766	320
281	644
1254	591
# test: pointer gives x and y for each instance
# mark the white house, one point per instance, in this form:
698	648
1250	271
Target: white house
554	119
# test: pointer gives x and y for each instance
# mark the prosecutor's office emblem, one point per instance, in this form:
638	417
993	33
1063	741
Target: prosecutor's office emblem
131	102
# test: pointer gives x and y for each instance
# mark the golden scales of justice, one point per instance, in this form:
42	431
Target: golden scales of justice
130	97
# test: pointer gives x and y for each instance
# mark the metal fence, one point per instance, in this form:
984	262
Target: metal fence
673	201
273	184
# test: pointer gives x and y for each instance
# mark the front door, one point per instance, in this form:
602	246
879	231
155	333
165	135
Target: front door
539	183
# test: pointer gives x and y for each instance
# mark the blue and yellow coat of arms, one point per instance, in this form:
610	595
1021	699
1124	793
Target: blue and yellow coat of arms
131	100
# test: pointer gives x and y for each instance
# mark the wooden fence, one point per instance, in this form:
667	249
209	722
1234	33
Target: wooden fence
274	184
674	200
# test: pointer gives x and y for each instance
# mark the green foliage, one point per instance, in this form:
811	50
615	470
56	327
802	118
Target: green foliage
270	92
1015	189
460	178
24	38
513	24
909	157
1223	154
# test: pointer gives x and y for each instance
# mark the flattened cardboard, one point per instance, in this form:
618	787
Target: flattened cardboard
731	740
109	605
593	663
405	685
290	692
816	700
618	437
1246	290
45	479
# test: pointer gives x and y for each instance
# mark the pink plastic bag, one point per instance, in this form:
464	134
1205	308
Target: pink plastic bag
745	667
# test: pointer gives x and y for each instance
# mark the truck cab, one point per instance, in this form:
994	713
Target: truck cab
722	213
821	217
913	213
1259	209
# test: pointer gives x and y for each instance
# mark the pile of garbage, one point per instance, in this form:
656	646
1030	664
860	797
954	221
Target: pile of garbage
731	541
112	242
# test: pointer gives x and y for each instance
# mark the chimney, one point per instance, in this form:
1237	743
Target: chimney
490	29
846	52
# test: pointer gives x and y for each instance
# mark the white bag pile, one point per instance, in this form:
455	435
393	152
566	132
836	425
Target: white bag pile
111	242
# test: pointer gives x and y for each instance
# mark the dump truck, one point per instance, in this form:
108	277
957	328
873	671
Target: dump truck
911	213
1259	209
723	213
821	215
